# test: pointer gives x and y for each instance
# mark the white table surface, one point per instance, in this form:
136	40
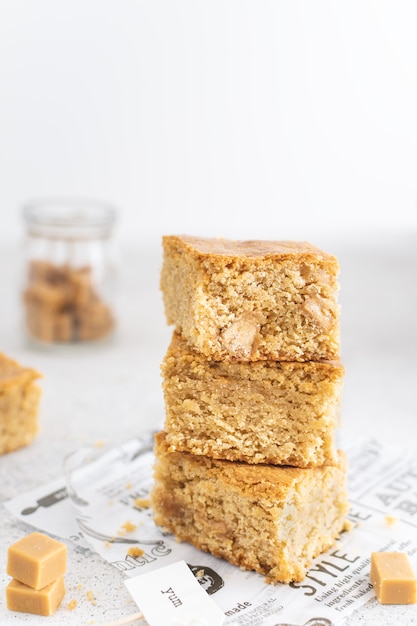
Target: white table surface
112	392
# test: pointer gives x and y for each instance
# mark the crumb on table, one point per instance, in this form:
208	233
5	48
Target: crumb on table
127	527
142	503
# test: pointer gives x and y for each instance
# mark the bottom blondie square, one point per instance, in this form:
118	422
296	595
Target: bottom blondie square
279	412
19	404
271	519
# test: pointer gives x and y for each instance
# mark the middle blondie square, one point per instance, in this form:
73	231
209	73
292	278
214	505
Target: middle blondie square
281	413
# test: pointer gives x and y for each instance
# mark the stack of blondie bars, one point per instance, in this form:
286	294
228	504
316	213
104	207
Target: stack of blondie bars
247	466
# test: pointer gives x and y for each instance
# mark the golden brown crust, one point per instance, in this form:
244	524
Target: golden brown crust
12	373
223	249
272	481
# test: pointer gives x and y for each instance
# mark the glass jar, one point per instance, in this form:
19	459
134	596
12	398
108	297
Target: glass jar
69	284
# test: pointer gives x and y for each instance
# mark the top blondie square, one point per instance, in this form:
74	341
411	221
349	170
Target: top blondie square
252	300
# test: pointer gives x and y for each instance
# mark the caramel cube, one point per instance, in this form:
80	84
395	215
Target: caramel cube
44	601
37	560
393	578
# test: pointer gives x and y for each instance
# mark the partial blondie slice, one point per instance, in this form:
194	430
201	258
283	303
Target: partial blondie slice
268	518
19	404
279	412
252	300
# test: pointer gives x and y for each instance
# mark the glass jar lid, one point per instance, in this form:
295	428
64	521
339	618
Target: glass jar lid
66	218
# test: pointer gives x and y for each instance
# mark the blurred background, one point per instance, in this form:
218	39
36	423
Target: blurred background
288	119
243	119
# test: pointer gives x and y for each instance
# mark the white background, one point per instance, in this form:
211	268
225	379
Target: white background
274	119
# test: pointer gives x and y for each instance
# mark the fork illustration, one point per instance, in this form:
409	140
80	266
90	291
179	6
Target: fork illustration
315	621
